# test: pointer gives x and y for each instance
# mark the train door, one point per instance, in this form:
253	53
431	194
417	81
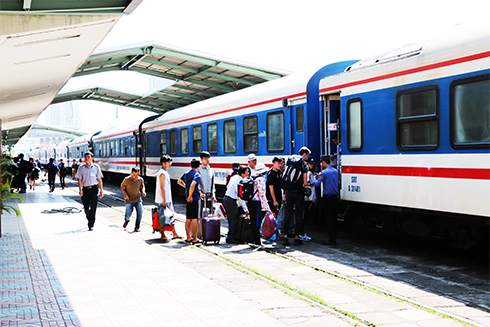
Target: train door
331	125
298	134
142	150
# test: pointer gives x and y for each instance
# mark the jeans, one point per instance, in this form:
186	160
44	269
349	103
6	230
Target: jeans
139	212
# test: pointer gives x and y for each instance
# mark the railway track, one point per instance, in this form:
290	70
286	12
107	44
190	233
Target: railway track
112	200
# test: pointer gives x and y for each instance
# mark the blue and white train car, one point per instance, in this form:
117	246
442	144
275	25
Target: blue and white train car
115	149
77	148
415	132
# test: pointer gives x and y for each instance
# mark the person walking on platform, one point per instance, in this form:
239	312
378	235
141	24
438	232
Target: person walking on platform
230	203
252	162
62	174
52	170
163	193
329	178
34	175
133	187
89	178
25	168
190	181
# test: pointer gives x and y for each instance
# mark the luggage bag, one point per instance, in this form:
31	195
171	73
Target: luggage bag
210	226
244	230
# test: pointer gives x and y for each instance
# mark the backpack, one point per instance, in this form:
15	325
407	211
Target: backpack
292	173
246	189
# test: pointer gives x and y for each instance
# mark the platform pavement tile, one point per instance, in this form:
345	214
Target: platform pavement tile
14	321
14	274
46	299
16	297
14	266
14	284
18	311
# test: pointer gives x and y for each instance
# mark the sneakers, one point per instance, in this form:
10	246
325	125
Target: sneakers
285	241
125	224
305	238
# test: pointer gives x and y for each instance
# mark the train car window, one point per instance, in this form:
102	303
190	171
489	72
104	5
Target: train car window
116	148
100	149
112	149
126	147
121	147
470	112
184	141
354	125
300	120
275	131
229	131
250	134
131	146
213	138
173	142
197	140
417	118
163	143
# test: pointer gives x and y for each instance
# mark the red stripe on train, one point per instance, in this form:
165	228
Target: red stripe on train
459	173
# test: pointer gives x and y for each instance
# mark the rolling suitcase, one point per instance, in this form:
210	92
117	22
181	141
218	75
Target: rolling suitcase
210	226
244	230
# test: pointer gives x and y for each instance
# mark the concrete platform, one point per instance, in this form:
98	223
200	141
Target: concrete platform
54	272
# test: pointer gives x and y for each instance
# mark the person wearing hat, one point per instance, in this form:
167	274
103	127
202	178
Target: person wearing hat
234	171
89	178
329	179
252	162
260	196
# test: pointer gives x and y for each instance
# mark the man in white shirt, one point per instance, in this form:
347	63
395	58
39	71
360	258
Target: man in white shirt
230	203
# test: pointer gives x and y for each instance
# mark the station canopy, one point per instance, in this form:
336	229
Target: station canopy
195	76
42	43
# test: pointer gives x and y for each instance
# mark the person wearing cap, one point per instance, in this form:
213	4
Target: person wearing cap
234	171
252	162
207	189
329	179
89	178
133	187
259	197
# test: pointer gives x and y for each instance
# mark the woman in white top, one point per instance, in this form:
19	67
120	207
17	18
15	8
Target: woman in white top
230	203
163	193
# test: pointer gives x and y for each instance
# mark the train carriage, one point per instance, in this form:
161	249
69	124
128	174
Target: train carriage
413	126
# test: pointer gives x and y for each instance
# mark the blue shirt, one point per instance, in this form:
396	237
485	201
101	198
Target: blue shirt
188	178
330	180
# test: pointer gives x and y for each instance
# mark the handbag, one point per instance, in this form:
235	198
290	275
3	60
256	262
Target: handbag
165	216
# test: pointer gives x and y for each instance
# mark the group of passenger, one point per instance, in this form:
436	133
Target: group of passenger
270	195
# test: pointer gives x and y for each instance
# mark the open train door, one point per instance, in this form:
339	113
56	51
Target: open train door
331	127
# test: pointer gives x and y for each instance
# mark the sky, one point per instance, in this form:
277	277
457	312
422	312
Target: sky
291	35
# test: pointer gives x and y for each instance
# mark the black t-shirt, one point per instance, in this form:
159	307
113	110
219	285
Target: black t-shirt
274	178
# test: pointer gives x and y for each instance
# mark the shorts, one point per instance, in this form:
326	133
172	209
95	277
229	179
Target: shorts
193	209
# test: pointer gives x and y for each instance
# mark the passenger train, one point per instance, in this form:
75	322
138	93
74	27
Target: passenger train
413	125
